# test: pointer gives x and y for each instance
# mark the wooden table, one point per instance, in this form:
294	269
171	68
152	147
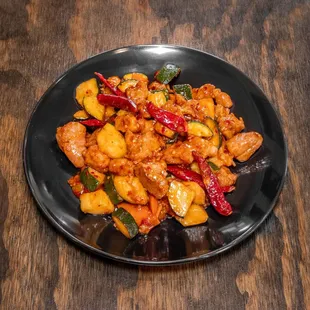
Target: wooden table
268	40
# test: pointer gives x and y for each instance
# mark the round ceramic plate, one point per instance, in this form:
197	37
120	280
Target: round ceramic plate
260	178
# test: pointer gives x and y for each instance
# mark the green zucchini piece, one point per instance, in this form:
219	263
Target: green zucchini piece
213	166
199	129
217	136
167	73
173	140
185	90
157	98
88	180
109	188
125	223
126	84
165	91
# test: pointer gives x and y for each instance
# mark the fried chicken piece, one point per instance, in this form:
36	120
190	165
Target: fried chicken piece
71	139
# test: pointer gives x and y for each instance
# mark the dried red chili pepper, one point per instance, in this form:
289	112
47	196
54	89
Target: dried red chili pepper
115	90
93	123
172	121
186	174
118	102
214	191
228	189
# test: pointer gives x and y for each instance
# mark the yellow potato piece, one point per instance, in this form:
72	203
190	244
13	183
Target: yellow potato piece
200	195
131	189
180	197
111	142
97	202
195	215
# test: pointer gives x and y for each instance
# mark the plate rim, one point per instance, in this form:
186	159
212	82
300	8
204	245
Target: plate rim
93	250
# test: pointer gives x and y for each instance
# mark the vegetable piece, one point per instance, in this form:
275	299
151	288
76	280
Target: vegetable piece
228	189
199	129
136	76
154	206
86	89
89	180
208	106
126	84
195	215
82	114
213	166
139	213
217	137
111	142
109	111
180	198
166	74
186	174
200	195
195	167
110	189
93	107
214	191
118	102
92	123
165	131
185	90
131	189
170	120
107	84
96	202
125	223
173	140
157	98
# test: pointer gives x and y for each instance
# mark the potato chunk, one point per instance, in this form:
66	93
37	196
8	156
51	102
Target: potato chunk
97	202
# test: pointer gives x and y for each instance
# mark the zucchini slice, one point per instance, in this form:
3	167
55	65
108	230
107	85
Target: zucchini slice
131	189
91	178
199	129
93	107
167	73
157	98
82	114
165	131
217	137
110	189
136	76
88	88
213	166
185	90
180	198
195	215
126	84
125	223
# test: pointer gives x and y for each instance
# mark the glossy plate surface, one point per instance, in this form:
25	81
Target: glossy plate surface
259	184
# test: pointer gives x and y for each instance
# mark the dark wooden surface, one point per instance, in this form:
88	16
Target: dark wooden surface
268	40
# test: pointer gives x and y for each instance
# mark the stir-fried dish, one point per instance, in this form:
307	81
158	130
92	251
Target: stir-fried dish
147	150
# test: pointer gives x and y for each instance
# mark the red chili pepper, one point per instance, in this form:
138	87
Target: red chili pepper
228	189
172	121
214	191
186	174
93	123
115	90
117	102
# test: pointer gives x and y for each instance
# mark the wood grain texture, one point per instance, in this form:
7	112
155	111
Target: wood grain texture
268	40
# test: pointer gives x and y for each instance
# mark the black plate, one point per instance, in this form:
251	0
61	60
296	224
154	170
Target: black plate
261	178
